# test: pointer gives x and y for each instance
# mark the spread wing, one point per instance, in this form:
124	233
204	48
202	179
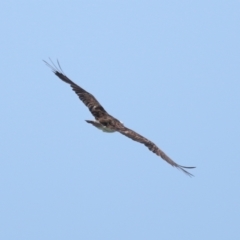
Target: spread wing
87	98
152	147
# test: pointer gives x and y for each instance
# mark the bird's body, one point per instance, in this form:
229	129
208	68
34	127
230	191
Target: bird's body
98	125
107	123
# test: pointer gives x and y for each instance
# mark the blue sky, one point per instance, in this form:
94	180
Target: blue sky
167	69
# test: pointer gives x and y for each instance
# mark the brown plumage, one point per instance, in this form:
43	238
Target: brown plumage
108	123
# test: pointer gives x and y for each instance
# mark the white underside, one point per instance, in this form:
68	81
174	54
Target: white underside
98	125
105	129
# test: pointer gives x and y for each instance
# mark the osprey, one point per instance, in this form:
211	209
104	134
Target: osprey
108	123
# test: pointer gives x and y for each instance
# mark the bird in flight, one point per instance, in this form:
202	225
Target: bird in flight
108	123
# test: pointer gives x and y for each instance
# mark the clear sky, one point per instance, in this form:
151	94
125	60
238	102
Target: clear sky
169	70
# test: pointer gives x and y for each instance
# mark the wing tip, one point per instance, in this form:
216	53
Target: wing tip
55	69
185	171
